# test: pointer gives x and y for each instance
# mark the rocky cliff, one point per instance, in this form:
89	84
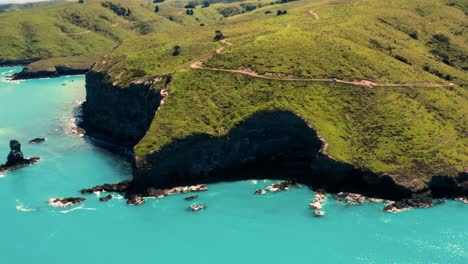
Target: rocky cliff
275	145
119	115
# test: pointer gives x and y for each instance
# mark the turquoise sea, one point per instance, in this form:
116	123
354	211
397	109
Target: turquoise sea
237	227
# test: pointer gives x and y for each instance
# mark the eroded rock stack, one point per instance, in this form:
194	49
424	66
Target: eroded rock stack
16	158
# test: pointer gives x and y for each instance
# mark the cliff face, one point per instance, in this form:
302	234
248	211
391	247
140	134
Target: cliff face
119	115
275	145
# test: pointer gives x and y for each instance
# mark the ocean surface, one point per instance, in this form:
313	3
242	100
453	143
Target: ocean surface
237	226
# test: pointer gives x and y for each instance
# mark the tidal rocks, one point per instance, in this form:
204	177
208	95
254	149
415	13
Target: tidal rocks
409	203
317	203
351	198
282	186
197	207
135	200
15	159
105	198
119	187
191	198
462	199
65	202
37	140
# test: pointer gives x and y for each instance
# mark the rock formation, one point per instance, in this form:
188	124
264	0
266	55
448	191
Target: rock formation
15	159
65	202
36	140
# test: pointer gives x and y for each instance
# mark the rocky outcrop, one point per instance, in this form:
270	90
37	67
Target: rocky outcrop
274	145
119	115
15	159
65	202
33	73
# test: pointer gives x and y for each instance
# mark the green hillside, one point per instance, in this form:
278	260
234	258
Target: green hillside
262	55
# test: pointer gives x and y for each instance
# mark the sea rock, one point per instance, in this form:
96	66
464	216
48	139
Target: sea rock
260	192
15	156
409	203
119	187
191	198
37	140
317	203
135	200
15	159
105	198
65	202
197	207
319	213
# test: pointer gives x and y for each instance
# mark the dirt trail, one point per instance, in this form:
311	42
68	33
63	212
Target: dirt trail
77	33
250	72
314	14
271	76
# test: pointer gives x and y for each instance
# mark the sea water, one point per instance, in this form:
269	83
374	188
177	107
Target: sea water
237	226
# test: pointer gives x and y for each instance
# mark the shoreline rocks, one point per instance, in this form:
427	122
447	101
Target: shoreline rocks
282	186
65	202
407	204
136	198
15	159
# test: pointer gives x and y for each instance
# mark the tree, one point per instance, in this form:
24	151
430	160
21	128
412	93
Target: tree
218	35
176	50
189	12
206	4
156	9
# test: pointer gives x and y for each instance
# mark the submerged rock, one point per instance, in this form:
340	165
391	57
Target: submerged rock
65	202
197	207
105	198
37	140
191	198
15	159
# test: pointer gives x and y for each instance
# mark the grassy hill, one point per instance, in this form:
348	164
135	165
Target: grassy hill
407	128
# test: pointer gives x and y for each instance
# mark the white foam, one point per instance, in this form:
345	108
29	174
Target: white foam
254	181
77	208
24	209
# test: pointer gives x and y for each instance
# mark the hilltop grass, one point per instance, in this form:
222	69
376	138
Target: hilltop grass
407	131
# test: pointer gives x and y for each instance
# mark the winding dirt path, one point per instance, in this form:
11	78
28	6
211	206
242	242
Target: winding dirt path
77	33
226	43
247	71
312	12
